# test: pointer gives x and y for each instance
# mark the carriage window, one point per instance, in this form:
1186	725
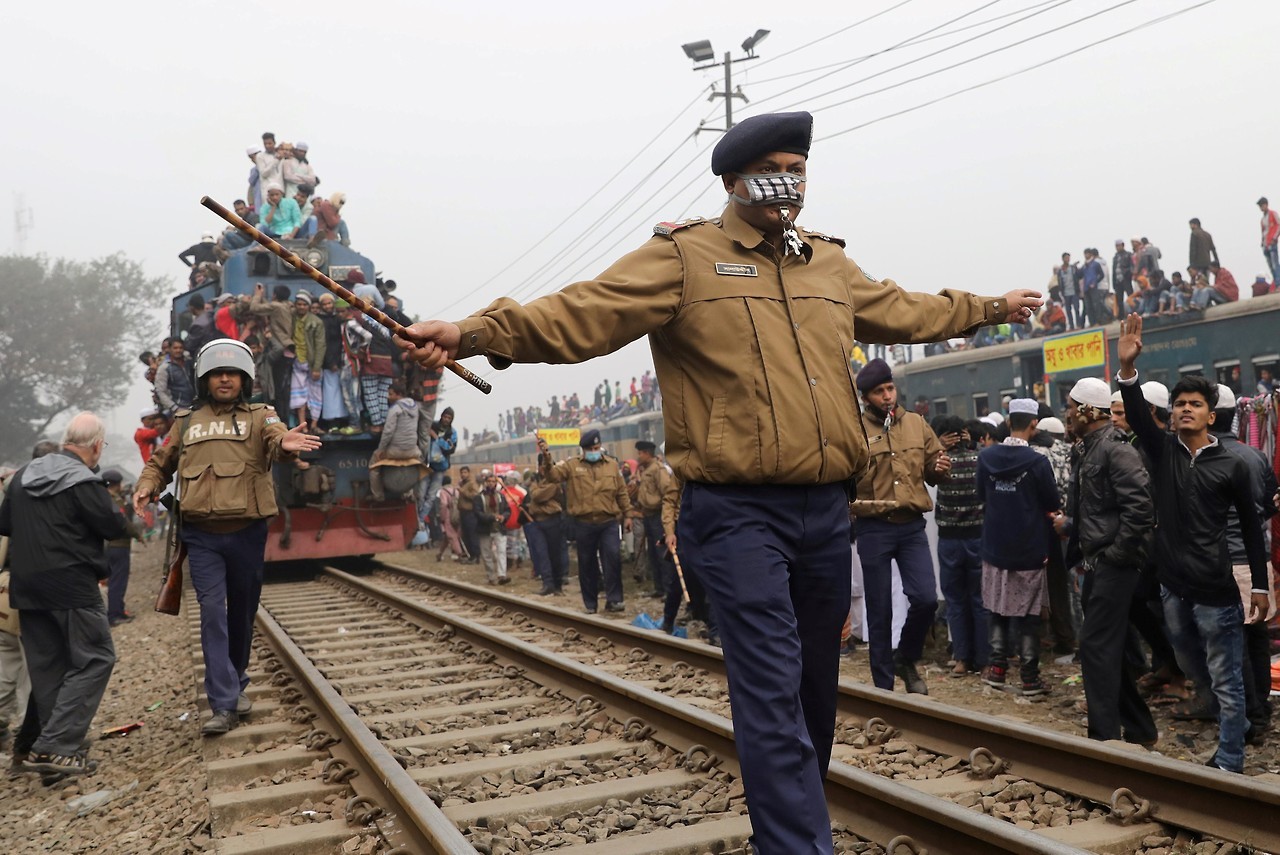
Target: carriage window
981	405
1227	373
939	406
1266	370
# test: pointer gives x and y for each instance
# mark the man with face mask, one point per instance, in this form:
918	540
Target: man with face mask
598	503
751	320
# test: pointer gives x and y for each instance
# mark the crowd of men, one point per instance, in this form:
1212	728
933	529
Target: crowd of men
1045	514
610	400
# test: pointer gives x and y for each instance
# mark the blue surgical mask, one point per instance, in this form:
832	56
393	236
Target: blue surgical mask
593	456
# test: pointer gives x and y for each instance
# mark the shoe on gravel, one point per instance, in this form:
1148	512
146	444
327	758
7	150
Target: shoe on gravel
1035	687
57	764
244	706
910	676
504	580
589	610
993	676
546	592
614	607
219	723
1197	708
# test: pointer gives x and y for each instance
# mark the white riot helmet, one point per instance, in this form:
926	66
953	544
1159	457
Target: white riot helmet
224	353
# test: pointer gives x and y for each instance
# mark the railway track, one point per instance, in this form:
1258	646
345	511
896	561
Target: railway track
465	738
1153	794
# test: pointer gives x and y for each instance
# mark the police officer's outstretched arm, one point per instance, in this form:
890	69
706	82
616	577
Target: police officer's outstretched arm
886	313
637	294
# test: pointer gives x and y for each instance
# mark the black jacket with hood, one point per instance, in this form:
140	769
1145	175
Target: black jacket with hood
58	515
1192	496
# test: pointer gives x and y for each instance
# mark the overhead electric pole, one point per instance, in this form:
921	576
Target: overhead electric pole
702	52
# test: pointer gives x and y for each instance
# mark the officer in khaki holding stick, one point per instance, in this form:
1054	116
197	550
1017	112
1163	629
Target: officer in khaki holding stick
751	321
222	450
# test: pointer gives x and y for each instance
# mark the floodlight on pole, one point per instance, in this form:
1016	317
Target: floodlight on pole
699	51
702	53
751	41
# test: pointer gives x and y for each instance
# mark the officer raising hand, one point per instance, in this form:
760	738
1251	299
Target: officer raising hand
222	450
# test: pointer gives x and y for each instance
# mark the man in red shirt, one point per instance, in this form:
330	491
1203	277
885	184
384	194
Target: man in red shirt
149	435
224	316
1224	283
1270	235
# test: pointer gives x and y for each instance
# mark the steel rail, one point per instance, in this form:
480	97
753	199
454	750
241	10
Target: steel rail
1218	804
872	806
411	822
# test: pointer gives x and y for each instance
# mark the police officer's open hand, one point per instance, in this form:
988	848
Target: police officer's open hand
1022	303
296	441
140	501
431	344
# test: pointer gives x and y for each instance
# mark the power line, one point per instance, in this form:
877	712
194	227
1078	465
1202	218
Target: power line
956	65
831	35
584	203
1150	23
898	45
911	43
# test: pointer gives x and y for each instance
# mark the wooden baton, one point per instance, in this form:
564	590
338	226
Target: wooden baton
337	290
684	589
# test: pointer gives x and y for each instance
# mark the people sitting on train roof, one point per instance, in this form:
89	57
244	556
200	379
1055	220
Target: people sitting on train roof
232	238
302	195
329	222
280	217
1224	283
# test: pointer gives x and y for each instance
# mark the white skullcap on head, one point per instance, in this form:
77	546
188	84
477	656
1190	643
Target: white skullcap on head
997	419
1029	406
1226	398
1092	392
1053	425
1116	397
1157	394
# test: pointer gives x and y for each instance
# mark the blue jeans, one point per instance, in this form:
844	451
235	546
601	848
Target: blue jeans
960	575
1273	260
1209	644
226	571
1075	315
879	544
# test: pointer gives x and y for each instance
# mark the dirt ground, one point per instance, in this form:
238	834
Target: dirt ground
1061	710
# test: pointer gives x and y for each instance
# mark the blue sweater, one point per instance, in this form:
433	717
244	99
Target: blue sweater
1016	484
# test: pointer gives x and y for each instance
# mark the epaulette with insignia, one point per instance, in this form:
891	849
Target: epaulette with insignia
184	411
820	236
668	228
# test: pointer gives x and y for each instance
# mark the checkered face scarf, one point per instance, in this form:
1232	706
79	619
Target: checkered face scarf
772	188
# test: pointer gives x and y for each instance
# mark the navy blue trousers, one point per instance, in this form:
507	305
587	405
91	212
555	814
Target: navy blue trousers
599	548
775	561
226	571
118	558
547	551
879	544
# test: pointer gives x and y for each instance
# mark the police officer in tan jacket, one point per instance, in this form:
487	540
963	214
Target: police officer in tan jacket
751	320
598	505
222	450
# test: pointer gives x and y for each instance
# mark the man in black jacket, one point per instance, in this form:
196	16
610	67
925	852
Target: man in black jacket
58	513
1196	481
1109	515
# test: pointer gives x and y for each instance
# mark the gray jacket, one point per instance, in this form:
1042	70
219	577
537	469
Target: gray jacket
1110	504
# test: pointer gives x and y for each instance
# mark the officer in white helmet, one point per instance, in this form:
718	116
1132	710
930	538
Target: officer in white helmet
222	450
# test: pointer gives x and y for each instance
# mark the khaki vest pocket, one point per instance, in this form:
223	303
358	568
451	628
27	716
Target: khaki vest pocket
216	489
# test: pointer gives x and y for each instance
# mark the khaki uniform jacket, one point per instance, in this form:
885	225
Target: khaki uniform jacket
596	491
223	464
751	348
467	492
671	494
903	459
543	501
279	317
652	479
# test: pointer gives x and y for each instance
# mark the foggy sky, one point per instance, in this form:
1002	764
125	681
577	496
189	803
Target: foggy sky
463	133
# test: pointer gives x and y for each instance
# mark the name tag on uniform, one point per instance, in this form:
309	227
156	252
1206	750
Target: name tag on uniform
726	269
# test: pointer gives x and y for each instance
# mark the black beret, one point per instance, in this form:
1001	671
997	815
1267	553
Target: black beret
874	373
112	476
589	438
759	135
645	445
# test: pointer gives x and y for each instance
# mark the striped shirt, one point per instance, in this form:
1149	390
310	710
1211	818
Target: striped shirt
959	513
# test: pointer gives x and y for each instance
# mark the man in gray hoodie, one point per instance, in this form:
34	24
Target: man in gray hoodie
57	513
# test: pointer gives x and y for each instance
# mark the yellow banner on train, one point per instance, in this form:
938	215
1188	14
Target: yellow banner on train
1075	351
560	436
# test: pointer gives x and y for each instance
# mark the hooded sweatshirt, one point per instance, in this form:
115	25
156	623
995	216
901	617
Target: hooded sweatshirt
58	514
1016	484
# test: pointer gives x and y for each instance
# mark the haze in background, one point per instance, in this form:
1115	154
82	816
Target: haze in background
464	133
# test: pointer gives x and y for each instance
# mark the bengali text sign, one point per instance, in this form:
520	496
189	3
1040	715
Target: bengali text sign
1072	352
561	436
